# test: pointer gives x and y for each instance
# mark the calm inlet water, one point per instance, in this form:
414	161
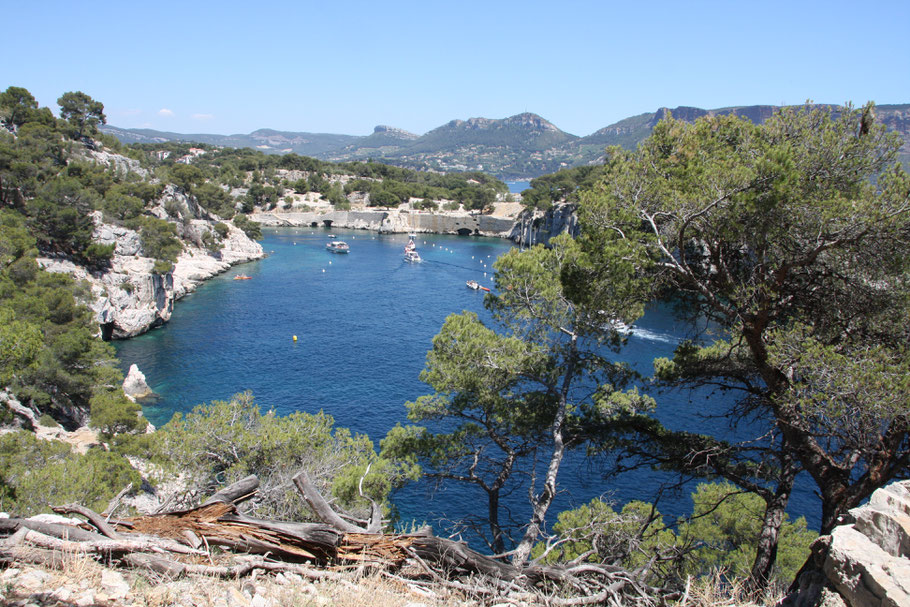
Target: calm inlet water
364	323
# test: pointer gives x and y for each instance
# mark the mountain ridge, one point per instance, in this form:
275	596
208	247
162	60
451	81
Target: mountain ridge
525	145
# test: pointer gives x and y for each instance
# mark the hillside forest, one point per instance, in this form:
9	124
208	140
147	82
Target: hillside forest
790	236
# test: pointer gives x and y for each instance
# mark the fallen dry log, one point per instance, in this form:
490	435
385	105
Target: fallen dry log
174	544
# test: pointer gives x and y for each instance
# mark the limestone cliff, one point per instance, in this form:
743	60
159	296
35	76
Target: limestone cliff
538	227
128	298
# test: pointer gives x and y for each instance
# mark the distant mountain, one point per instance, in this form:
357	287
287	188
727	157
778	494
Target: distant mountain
511	147
521	146
316	145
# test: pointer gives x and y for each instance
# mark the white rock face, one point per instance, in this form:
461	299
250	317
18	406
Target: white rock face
121	163
134	385
867	562
129	298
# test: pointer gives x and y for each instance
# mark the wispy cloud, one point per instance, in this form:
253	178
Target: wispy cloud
165	112
203	116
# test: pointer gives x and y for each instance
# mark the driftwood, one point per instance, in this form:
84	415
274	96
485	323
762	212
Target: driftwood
173	544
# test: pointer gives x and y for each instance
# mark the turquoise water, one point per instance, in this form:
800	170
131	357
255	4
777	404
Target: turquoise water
364	322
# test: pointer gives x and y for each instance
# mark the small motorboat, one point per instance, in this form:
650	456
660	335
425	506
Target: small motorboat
411	246
338	246
242	277
412	256
472	284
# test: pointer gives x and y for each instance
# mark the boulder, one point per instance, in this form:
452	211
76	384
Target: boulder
867	561
134	385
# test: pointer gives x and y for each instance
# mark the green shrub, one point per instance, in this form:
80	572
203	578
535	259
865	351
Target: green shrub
221	229
249	227
223	441
48	421
721	535
97	254
725	525
113	413
37	474
159	241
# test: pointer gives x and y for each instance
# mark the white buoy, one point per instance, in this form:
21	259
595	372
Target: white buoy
323	269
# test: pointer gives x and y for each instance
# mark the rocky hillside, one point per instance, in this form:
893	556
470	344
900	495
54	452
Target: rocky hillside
521	146
129	295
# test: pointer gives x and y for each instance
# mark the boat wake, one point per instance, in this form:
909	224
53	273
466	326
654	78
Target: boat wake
633	331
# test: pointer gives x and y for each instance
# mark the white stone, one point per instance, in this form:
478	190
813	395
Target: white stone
261	601
861	570
33	580
235	598
85	599
134	384
55	519
114	584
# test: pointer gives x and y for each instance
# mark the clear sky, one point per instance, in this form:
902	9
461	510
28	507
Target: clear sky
344	66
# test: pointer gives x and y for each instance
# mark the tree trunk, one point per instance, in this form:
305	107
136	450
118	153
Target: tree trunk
769	537
542	502
498	542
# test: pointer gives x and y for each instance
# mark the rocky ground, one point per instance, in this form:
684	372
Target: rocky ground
81	582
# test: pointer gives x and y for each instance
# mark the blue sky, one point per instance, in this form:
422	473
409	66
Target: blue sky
340	66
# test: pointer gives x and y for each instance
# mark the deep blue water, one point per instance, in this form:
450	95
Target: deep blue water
364	323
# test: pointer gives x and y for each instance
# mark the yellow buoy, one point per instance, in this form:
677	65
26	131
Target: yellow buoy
295	338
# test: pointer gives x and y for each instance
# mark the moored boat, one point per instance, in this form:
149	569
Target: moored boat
338	246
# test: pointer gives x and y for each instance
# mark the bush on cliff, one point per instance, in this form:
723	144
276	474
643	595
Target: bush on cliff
112	413
250	228
221	442
49	356
37	474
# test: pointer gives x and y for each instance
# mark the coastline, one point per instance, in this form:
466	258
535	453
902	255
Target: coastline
504	222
